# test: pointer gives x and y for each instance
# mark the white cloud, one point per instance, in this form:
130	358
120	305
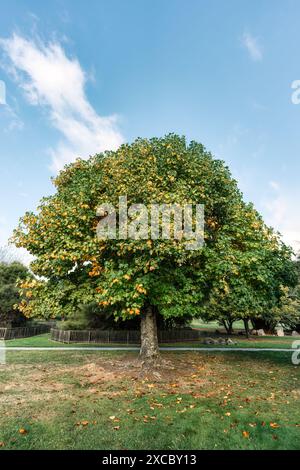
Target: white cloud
56	82
274	185
12	120
10	253
281	213
253	47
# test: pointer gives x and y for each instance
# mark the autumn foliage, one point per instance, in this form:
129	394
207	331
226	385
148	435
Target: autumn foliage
127	275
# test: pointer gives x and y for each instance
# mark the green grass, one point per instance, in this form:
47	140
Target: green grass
213	325
65	400
255	342
40	341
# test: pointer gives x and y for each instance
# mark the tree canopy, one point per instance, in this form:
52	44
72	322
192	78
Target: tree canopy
129	275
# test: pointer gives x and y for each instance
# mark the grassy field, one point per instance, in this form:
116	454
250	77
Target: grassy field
89	400
213	325
254	342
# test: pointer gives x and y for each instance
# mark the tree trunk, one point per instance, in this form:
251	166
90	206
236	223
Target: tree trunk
149	352
246	325
228	326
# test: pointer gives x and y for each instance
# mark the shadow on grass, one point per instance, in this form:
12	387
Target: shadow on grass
276	358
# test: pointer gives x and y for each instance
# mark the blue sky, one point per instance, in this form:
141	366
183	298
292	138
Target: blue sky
84	76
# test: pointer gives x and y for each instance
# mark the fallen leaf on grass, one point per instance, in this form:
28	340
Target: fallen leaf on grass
22	431
274	425
2	444
181	411
82	423
116	428
228	414
246	434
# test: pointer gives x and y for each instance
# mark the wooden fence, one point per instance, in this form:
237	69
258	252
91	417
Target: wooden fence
121	336
23	332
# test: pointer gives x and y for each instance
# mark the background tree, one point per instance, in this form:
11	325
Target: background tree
136	278
287	313
9	292
252	282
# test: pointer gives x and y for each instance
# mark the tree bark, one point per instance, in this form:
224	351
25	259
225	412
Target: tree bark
246	325
228	326
149	352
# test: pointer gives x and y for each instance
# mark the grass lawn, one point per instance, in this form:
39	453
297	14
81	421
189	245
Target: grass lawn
89	400
255	342
213	325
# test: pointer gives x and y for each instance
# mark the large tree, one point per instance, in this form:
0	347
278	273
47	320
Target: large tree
136	277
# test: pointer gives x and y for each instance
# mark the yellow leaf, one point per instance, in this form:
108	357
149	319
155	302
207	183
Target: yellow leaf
246	434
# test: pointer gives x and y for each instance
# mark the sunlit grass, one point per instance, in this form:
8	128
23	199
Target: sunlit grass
88	400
